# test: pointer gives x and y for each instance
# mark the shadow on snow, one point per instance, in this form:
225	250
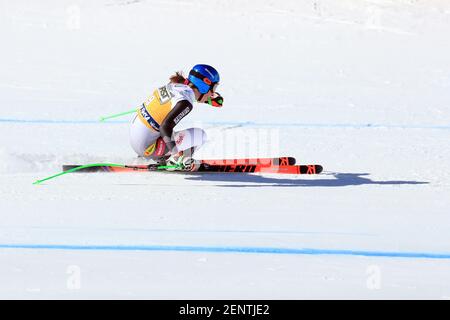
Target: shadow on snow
336	180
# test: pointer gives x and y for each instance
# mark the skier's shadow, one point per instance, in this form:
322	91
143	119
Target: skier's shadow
335	180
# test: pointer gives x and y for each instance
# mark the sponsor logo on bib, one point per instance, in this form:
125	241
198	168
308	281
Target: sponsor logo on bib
149	118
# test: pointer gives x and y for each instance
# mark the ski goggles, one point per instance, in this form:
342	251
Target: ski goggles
202	83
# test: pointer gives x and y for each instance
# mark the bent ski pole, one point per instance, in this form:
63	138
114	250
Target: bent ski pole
95	165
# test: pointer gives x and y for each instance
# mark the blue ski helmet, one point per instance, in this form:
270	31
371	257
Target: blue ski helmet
204	77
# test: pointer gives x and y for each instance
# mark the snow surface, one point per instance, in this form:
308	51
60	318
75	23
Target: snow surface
361	87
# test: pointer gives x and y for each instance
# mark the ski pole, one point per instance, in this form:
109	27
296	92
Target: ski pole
94	165
117	115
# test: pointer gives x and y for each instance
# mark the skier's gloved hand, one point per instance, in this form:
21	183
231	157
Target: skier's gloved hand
216	100
180	162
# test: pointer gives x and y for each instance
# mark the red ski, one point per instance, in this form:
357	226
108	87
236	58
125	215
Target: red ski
255	168
202	167
258	165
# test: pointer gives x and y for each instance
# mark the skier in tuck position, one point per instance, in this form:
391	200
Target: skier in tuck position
152	132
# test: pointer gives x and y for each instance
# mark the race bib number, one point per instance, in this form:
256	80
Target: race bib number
164	95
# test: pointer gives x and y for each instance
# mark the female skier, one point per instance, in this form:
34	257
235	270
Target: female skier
152	135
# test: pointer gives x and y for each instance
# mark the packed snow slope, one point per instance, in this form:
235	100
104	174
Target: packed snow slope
361	87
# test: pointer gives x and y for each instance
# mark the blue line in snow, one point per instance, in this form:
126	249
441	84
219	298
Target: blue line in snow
256	250
46	121
242	124
326	125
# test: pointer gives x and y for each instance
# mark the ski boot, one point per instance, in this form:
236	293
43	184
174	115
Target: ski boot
180	162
